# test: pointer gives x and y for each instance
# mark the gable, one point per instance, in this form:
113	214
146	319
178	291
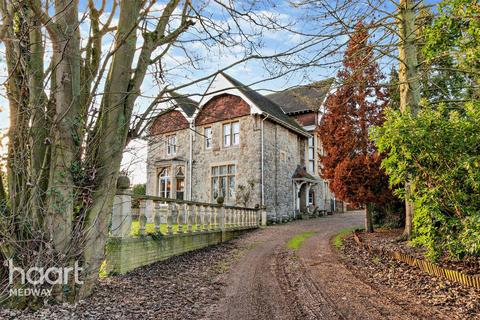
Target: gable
222	107
168	122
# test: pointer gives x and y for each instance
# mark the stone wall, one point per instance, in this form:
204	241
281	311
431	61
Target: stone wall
245	156
284	151
126	254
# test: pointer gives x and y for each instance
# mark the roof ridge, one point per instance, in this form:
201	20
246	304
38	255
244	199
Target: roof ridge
264	103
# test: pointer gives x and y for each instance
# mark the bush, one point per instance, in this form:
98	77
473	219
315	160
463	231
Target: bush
438	150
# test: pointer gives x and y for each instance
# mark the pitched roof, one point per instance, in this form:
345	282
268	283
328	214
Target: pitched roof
265	104
303	98
301	173
185	103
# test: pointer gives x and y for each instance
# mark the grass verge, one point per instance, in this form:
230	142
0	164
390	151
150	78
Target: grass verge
296	241
337	240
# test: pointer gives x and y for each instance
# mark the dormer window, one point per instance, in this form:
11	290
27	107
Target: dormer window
231	134
171	144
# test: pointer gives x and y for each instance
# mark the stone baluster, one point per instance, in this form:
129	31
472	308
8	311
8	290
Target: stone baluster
222	217
191	217
206	218
214	219
198	218
142	219
170	217
227	218
180	219
157	216
249	218
237	217
232	217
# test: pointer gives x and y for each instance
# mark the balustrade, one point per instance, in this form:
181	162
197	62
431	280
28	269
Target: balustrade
168	216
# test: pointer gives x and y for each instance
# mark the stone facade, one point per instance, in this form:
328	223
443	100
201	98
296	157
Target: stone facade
253	166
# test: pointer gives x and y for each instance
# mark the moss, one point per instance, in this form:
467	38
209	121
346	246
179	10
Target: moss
296	241
150	228
337	240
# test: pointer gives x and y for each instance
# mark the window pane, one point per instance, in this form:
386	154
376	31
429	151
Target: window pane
236	139
236	133
223	186
310	154
208	138
231	187
311	166
236	127
226	134
223	170
231	169
215	171
215	187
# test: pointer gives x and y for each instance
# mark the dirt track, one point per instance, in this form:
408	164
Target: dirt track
273	282
253	277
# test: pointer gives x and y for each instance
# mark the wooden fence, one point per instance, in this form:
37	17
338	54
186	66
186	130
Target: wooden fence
424	265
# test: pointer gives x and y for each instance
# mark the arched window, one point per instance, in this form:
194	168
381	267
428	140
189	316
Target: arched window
164	183
180	183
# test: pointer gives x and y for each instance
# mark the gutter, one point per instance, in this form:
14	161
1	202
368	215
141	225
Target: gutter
192	126
303	133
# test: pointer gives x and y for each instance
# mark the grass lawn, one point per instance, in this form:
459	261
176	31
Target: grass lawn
296	241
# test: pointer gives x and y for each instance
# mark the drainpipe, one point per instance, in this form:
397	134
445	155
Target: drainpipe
192	126
263	148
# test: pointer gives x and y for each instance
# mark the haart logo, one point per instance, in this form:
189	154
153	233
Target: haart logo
37	276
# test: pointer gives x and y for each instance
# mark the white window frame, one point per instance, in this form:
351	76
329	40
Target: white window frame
208	137
311	155
231	134
171	144
166	191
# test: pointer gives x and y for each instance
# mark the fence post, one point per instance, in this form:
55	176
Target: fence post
122	209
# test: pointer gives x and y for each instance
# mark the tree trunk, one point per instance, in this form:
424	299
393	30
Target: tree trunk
108	143
409	80
369	217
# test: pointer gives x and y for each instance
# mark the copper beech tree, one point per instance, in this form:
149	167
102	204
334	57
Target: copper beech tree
350	160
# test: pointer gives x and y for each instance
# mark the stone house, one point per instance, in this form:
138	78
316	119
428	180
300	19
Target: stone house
248	148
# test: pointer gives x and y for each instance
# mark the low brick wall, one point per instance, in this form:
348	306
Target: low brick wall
126	254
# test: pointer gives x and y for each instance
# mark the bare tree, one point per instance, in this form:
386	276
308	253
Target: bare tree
74	77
